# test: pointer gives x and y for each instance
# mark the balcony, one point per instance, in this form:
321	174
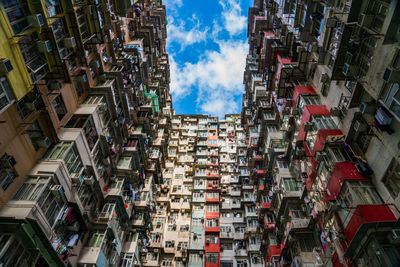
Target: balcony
343	171
254	247
238	235
364	219
236	204
238	219
235	192
250	213
240	252
274	251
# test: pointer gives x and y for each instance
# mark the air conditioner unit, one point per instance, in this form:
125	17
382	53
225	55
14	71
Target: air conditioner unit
43	142
70	42
82	78
57	190
365	20
36	20
324	78
44	46
56	85
89	181
5	65
350	70
359	126
391	76
77	179
367	108
313	48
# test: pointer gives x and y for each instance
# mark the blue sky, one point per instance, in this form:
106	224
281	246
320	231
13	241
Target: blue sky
207	47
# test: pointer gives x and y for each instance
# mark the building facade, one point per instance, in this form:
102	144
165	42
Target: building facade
320	110
97	169
83	87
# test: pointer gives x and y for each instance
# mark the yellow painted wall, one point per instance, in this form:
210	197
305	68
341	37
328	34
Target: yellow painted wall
18	78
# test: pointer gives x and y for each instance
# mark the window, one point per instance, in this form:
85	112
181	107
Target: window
178	176
212	208
226	214
127	260
323	122
391	179
170	244
167	262
197	208
35	134
392	98
68	152
212	258
226	264
131	237
212	222
306	243
195	258
7	172
379	252
171	227
251	209
39	189
212	239
34	60
151	256
241	263
212	195
96	240
6	95
337	154
290	184
282	164
17	13
197	222
197	238
13	253
227	246
226	229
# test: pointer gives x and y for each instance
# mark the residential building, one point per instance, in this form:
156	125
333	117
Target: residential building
84	85
322	124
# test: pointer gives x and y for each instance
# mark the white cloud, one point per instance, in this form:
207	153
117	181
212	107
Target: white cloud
232	19
172	4
178	33
218	77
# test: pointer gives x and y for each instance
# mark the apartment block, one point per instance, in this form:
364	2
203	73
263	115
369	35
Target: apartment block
322	124
84	91
206	206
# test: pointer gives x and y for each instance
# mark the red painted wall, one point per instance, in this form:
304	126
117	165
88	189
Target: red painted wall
309	111
273	251
299	90
343	171
368	214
